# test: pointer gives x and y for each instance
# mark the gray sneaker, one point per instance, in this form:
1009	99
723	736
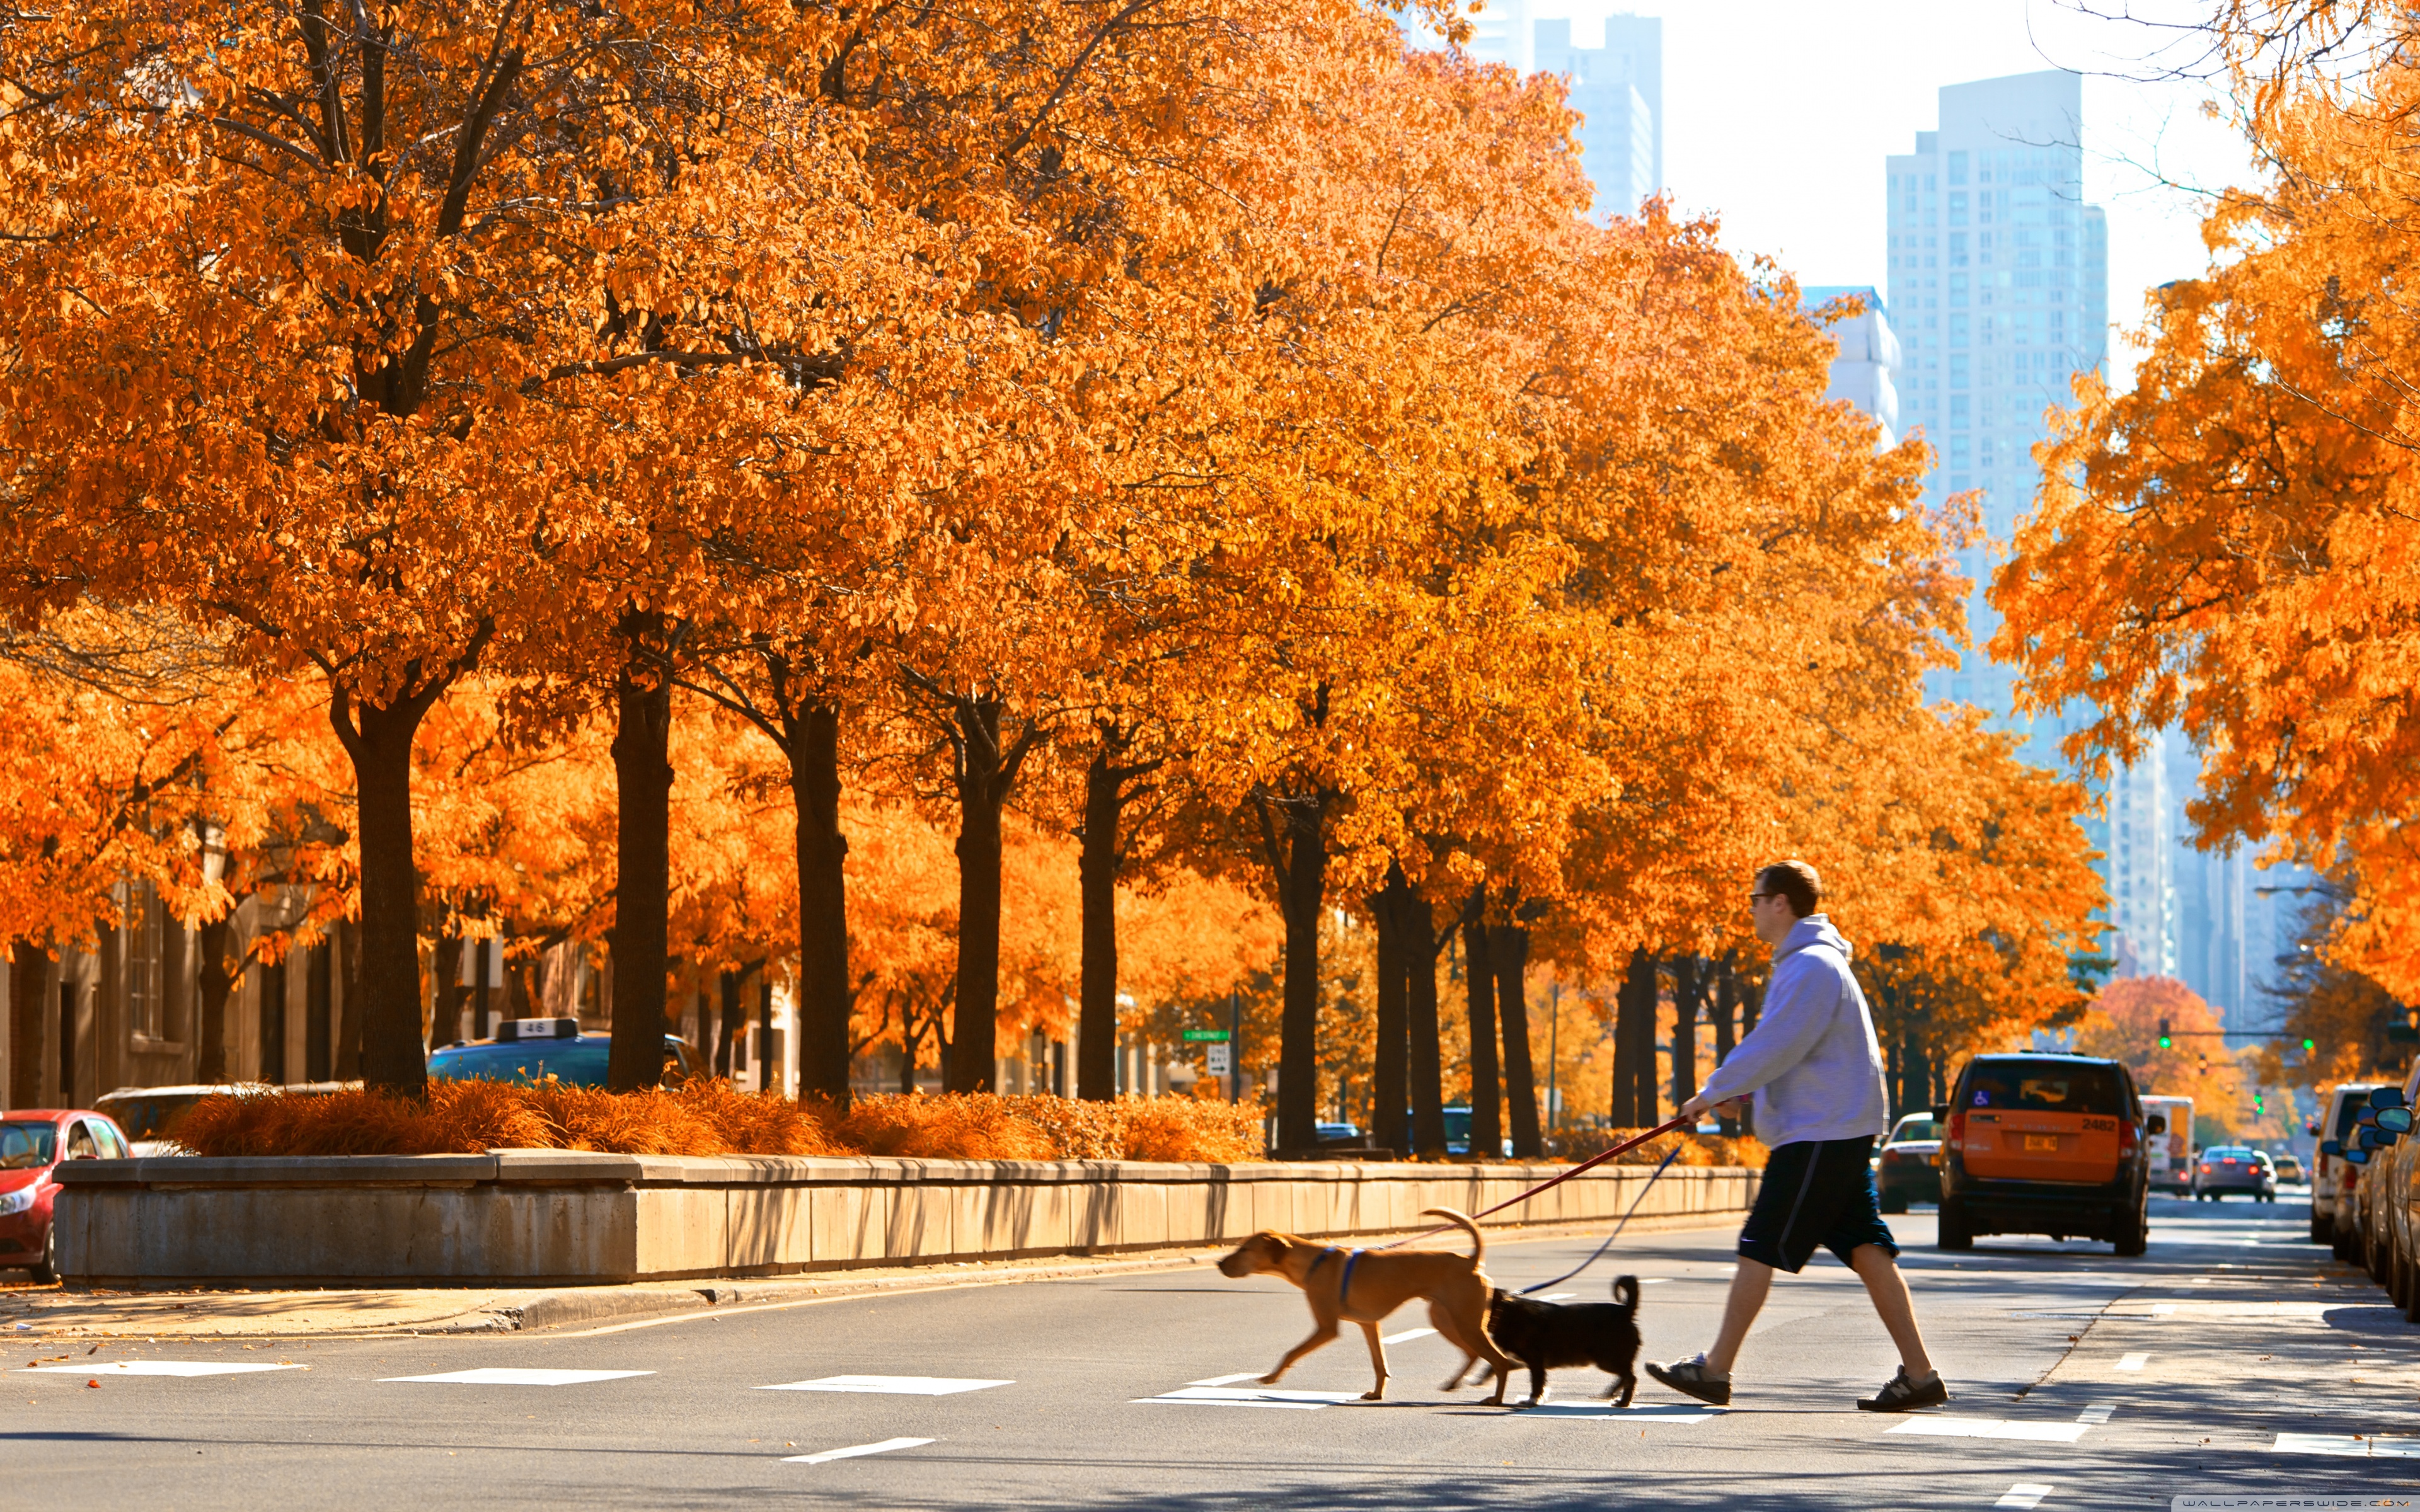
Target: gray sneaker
1691	1378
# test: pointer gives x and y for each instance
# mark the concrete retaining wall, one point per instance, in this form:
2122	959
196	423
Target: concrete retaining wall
541	1217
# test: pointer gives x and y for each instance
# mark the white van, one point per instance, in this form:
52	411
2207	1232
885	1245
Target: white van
2333	1180
2171	1148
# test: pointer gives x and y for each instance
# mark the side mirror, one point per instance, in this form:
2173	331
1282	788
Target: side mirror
2331	1146
2158	1123
1941	1113
2382	1098
2395	1120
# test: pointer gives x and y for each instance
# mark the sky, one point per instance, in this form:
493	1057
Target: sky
1778	115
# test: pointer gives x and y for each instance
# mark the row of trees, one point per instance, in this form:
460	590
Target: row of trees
2229	548
1211	432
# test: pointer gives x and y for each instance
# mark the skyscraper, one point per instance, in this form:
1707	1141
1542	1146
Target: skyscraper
1865	372
1999	277
1617	88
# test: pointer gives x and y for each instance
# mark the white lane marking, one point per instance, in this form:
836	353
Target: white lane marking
1993	1428
2132	1362
2023	1493
2198	1281
2346	1444
1658	1412
2096	1414
1654	1280
853	1451
1556	1296
505	1376
153	1367
1301	1401
1404	1337
889	1385
1228	1380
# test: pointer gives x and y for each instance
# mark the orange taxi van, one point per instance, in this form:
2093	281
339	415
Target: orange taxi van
2044	1144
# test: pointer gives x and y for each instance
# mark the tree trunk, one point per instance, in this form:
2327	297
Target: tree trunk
1302	886
319	1013
272	1022
1390	1072
379	740
28	979
1751	1004
1508	945
1650	1101
1687	982
1635	1003
348	1012
1479	987
983	792
643	773
1096	868
767	1074
823	1007
448	994
1726	1011
1422	940
215	984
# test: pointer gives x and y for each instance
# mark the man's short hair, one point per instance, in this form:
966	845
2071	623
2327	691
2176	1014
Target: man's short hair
1795	881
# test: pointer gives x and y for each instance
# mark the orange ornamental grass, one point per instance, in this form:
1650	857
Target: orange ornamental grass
711	1118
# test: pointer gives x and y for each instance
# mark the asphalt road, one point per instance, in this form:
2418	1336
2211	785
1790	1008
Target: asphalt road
2223	1363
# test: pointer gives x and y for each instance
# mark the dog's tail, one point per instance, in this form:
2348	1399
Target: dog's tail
1625	1292
1478	1244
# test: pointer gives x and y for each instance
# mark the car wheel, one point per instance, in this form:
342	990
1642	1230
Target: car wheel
1954	1232
2340	1244
2136	1237
47	1270
2320	1228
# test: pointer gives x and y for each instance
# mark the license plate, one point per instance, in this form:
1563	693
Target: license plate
2046	1143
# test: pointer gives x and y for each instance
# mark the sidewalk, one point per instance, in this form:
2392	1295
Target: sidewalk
29	1313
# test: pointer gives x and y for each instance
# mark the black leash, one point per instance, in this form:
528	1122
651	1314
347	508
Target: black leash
1609	1238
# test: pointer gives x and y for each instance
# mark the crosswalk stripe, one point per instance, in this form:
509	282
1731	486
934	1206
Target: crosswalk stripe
2023	1494
1993	1428
854	1451
1406	1336
154	1367
890	1385
2353	1444
507	1376
2132	1362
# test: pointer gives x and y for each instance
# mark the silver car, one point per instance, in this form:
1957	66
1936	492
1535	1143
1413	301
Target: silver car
2223	1168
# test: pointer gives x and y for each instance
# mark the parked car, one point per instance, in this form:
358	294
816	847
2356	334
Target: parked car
33	1141
149	1114
2334	1181
2290	1166
1338	1134
2044	1144
2225	1168
2373	1213
1906	1168
1457	1131
529	1051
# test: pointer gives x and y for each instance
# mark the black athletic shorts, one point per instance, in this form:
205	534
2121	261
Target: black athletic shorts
1816	1192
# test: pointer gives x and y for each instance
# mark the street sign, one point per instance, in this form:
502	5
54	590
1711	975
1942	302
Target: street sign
1222	1058
1206	1036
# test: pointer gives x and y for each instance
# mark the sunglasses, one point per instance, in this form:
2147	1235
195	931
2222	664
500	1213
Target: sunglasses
1759	896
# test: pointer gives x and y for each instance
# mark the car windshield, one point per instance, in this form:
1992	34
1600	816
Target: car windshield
25	1147
1915	1126
2044	1087
2228	1153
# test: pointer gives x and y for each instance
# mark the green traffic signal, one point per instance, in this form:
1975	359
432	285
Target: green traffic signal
2165	1043
2310	1045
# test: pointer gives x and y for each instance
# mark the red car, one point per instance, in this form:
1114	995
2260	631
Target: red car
32	1142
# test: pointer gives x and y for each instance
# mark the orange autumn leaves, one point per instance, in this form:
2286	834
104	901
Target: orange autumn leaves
2229	549
1228	375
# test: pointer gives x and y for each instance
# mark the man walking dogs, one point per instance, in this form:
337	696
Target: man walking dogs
1817	1076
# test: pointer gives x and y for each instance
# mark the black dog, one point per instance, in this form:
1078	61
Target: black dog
1545	1337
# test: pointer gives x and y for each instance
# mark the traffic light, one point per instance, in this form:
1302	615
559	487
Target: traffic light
2164	1041
2309	1045
2257	1105
2205	1066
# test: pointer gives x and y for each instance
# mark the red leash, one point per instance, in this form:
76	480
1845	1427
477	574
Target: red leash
1588	1164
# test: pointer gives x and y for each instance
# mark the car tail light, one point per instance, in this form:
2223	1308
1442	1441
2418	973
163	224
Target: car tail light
2205	1168
2126	1136
1958	1130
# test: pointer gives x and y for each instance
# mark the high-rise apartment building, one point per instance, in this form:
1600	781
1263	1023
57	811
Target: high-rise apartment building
1865	372
1617	86
1999	277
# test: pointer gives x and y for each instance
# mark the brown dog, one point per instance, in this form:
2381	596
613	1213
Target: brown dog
1364	1286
